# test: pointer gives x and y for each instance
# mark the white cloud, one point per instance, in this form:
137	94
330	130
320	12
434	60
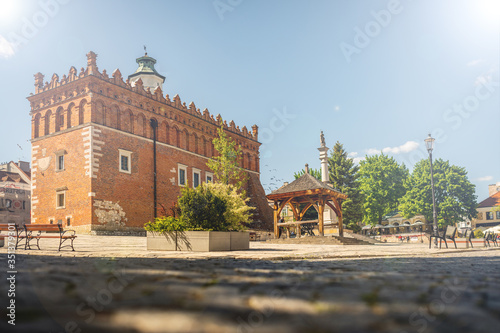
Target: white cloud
337	108
484	179
372	151
474	62
358	159
482	79
6	48
353	154
407	147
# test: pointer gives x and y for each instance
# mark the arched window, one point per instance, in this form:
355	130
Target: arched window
48	114
36	126
81	112
69	115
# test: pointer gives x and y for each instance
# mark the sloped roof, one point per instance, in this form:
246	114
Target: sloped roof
6	176
491	201
304	183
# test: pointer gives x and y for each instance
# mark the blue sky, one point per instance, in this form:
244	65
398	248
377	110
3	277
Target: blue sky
374	75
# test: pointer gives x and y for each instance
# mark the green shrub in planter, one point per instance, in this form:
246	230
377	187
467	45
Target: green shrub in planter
202	209
165	224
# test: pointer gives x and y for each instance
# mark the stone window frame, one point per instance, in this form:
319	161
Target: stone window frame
498	214
128	155
196	172
184	168
209	175
490	216
60	160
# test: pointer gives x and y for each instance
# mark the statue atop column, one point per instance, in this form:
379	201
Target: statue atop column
322	138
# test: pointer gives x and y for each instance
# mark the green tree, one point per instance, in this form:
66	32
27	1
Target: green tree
382	186
344	176
202	209
455	194
238	212
316	173
354	227
225	166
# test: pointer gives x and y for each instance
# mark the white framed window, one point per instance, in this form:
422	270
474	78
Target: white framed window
60	159
125	161
196	177
60	199
209	177
182	174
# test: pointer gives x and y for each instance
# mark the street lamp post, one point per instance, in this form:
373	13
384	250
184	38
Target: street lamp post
429	143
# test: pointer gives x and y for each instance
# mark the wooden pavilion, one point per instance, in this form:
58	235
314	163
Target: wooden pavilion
311	192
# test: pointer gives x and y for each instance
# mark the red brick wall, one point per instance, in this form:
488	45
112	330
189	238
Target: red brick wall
45	179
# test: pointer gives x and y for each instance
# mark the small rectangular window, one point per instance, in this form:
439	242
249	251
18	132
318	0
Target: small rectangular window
125	161
498	215
68	221
182	173
209	177
489	215
61	200
182	177
60	162
196	179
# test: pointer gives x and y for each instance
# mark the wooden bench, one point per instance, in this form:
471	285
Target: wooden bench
490	237
469	234
494	239
18	230
31	229
448	233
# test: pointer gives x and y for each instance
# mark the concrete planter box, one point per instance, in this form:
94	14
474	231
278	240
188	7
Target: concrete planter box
199	241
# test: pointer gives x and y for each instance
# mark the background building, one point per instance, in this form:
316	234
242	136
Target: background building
488	210
15	192
106	152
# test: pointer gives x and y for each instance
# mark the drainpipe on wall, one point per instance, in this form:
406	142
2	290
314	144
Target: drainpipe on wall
154	126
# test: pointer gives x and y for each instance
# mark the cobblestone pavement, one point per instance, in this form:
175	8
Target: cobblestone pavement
113	284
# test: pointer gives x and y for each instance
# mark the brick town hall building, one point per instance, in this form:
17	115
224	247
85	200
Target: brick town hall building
96	141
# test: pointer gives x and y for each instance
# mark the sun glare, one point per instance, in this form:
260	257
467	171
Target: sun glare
488	11
8	11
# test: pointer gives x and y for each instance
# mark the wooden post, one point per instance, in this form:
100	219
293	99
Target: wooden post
321	210
298	230
341	223
276	218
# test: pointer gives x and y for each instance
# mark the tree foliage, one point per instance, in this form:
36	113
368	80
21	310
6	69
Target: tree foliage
225	165
344	176
382	186
237	211
202	209
455	194
316	173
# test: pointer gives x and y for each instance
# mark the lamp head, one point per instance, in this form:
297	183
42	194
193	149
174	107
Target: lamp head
429	143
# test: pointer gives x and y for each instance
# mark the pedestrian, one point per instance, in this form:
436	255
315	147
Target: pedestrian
407	239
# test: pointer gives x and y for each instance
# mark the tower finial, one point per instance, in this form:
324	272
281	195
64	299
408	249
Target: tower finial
145	51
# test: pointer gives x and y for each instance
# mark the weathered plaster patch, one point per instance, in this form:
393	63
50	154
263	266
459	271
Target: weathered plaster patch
109	213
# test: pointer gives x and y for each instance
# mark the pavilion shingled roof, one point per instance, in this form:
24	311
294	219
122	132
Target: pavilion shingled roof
304	183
